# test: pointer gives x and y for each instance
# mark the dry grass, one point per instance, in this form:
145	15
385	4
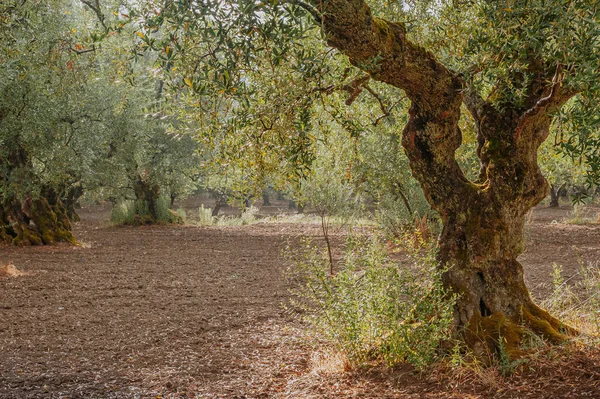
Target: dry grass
11	270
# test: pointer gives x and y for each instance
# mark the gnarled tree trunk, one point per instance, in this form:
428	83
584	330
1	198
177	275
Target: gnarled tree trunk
34	222
32	219
483	221
555	194
148	194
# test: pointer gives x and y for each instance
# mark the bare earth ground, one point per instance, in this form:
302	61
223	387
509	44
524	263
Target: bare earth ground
195	312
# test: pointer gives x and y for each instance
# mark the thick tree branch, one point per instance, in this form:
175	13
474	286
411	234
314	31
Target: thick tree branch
382	49
309	8
431	137
542	102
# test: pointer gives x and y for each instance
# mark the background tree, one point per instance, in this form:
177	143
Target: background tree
40	74
562	173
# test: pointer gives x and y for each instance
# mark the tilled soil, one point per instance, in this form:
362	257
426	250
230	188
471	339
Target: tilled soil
196	312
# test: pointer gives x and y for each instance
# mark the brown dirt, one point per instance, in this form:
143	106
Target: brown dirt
182	311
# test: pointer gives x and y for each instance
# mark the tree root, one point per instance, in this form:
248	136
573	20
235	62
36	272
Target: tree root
498	334
35	222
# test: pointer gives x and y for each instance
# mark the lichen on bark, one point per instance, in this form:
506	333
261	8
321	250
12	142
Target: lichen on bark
29	217
34	222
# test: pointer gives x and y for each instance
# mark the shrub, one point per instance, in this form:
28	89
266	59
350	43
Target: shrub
374	309
581	215
394	217
181	213
123	213
249	215
136	213
163	213
205	217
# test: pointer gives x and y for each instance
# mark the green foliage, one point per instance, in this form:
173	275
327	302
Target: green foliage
506	364
381	173
560	170
236	66
45	99
578	133
374	308
68	120
123	213
329	195
182	214
136	213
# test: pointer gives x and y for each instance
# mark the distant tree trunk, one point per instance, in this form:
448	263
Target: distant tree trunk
399	192
220	202
555	195
296	205
173	197
266	200
148	194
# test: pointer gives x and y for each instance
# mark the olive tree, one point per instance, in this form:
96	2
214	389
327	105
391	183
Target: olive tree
40	78
527	60
508	67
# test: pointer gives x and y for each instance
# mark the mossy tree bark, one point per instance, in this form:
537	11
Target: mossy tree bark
147	193
32	220
71	201
483	221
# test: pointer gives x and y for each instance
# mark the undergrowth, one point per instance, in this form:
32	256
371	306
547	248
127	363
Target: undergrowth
374	309
205	217
576	300
135	213
582	215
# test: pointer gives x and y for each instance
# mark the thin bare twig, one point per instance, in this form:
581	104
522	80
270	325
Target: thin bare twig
95	7
79	52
